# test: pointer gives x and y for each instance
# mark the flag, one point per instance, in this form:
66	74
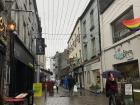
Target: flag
133	24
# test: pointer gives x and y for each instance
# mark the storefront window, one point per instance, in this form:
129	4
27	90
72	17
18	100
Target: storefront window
130	70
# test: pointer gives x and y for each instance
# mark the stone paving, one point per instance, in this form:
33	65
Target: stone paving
81	98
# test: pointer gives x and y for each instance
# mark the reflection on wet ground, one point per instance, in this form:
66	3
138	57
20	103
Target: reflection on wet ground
82	97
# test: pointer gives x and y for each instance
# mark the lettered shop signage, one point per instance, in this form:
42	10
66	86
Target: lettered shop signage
121	54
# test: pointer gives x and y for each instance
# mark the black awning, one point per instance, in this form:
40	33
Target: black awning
46	71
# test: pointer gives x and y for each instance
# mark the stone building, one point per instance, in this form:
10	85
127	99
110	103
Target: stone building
120	46
75	53
18	46
91	49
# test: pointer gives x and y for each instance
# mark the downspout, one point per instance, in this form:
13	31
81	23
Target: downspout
100	54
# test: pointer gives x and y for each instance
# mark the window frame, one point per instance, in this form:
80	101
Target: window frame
116	21
91	20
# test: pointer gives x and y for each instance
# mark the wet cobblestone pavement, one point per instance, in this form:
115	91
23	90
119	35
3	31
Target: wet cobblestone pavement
81	98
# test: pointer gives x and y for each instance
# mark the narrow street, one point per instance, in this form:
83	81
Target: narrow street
82	97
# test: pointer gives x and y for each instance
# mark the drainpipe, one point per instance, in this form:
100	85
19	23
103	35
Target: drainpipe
98	7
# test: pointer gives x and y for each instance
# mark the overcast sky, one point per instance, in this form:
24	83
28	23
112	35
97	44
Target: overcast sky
58	18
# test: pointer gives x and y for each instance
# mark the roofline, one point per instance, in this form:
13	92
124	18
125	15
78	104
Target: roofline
77	21
87	8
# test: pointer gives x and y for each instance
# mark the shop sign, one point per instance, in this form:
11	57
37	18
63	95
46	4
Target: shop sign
128	89
121	54
37	88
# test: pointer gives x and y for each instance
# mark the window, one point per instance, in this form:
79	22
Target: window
85	52
119	30
84	28
80	56
78	35
93	47
91	20
80	53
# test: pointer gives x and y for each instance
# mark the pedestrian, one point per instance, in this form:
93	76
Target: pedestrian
66	82
57	83
71	83
111	88
50	85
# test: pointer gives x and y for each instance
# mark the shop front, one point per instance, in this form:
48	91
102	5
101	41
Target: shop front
130	69
79	76
22	69
125	58
92	77
2	68
3	48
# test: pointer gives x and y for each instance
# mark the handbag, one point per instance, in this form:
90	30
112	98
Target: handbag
75	88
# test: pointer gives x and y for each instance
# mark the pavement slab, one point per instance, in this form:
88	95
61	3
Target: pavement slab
82	97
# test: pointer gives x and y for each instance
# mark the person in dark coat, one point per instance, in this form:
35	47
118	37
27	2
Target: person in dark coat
71	83
111	89
50	85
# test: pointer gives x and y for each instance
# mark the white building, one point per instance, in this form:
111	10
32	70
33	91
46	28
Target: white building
91	45
75	53
120	46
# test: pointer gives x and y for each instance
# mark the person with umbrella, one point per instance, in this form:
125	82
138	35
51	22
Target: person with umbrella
111	88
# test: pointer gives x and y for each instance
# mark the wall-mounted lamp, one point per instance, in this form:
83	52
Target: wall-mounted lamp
11	27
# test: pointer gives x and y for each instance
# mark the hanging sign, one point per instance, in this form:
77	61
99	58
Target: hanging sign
40	46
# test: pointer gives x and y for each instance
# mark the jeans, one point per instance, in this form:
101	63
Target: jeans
112	99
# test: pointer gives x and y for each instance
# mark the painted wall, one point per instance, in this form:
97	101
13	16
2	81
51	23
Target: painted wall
115	10
74	43
130	44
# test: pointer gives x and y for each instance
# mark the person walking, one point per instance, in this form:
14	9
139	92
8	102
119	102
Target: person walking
71	82
50	85
57	83
111	89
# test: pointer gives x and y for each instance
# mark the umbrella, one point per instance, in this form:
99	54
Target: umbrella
115	73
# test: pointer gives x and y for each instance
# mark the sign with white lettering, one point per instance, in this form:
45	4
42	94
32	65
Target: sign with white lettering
2	28
40	46
128	89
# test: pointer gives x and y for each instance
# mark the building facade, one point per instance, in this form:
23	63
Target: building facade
56	64
91	45
120	46
21	45
64	64
3	47
75	53
60	64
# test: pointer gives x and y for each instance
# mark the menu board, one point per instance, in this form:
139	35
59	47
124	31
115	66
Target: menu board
128	89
